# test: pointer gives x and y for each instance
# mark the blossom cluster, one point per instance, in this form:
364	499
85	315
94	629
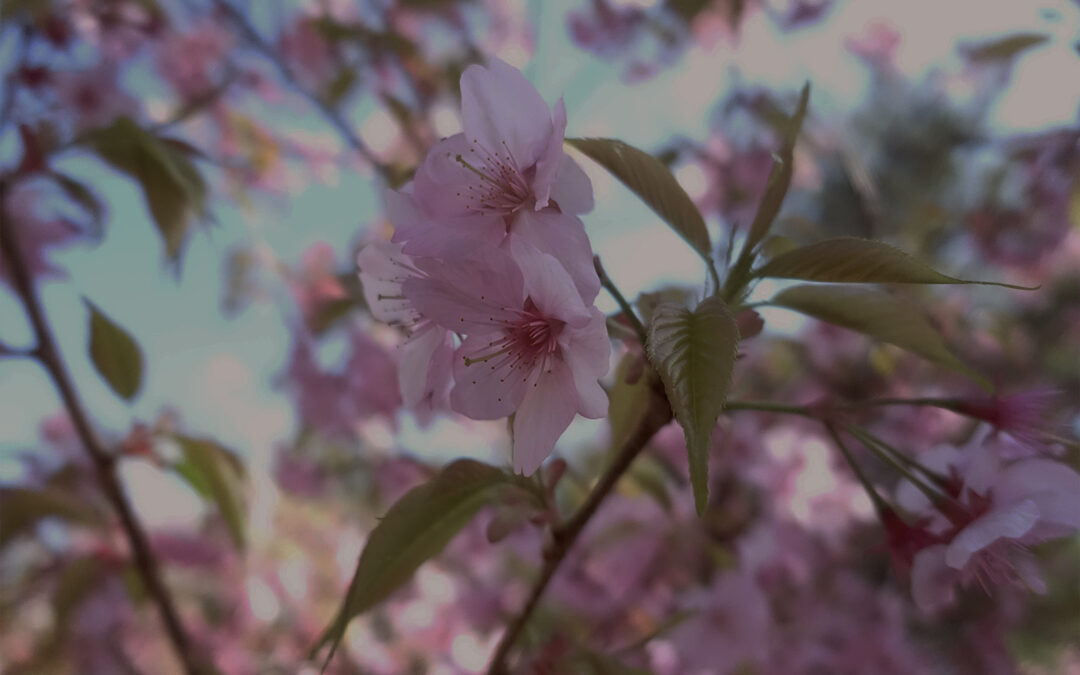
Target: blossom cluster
490	271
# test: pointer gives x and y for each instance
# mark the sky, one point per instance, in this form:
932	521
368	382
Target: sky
219	371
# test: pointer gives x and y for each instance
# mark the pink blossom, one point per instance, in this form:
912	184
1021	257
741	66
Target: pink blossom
309	54
505	176
92	98
1024	417
190	61
533	348
317	283
425	372
995	515
730	627
334	403
36	233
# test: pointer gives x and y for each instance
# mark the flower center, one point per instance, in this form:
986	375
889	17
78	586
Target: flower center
503	187
526	343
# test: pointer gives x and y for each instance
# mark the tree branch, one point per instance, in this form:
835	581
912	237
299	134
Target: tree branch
333	116
103	462
564	536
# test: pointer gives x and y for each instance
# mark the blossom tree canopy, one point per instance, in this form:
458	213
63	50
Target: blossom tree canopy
471	336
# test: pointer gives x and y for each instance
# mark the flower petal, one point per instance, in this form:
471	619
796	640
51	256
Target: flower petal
417	354
562	237
551	160
475	296
383	269
587	351
1053	486
503	112
1011	522
572	190
932	581
547	410
487	389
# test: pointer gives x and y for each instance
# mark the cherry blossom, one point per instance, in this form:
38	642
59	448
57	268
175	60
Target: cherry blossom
92	98
37	233
505	177
988	521
424	375
533	348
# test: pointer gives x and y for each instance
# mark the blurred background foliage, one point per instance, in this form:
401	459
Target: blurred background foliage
202	172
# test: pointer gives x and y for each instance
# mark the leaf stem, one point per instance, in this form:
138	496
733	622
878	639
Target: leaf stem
656	416
868	440
48	354
879	504
903	458
624	305
765	406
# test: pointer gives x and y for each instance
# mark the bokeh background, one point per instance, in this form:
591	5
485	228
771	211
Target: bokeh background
949	129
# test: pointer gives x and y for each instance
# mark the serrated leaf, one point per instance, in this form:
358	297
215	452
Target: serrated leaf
694	353
174	190
776	188
854	260
877	314
415	529
648	303
650	180
115	354
1005	48
22	508
218	475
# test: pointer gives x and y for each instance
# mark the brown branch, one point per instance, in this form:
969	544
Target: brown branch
564	536
103	462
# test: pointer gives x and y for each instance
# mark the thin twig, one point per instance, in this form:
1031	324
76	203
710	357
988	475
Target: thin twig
333	116
879	504
765	406
627	309
48	355
563	537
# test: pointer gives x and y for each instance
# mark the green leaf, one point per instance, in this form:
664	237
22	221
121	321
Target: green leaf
775	190
650	180
1005	48
694	352
627	401
218	475
115	354
877	314
175	192
415	529
82	195
849	259
23	508
779	178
